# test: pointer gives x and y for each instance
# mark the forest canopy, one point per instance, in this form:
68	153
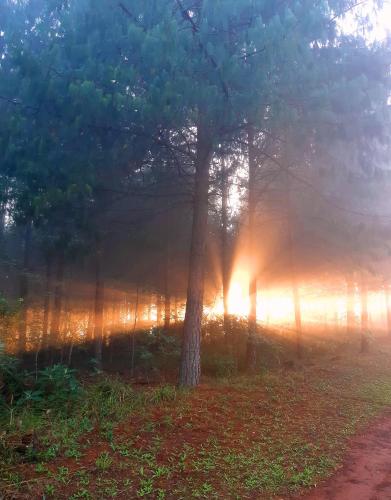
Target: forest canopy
152	153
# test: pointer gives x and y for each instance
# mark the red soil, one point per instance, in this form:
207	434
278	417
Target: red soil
366	472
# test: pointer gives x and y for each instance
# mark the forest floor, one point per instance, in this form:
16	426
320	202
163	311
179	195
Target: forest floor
366	472
274	435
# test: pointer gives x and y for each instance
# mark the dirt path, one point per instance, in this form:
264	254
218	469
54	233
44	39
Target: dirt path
366	473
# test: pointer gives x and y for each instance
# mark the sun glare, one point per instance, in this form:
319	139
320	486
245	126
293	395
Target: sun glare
238	298
276	306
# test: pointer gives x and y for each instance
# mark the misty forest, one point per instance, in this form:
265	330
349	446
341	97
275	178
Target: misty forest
195	249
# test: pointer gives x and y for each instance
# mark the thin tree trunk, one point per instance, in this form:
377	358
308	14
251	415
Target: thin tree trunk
167	311
24	287
252	205
364	316
167	296
295	287
150	309
70	352
98	309
55	326
90	322
158	309
190	368
46	305
2	225
224	246
349	305
175	309
134	332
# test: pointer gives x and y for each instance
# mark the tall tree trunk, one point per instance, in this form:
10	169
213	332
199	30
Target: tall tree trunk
98	309
349	305
224	246
190	368
364	316
167	296
90	321
158	309
46	304
291	249
150	308
55	326
295	286
24	287
2	226
252	205
175	309
133	346
388	307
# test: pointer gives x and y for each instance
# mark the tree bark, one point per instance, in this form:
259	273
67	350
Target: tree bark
24	287
224	246
98	309
190	368
364	316
252	205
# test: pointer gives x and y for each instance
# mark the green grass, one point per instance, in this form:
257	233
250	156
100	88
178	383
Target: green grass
273	434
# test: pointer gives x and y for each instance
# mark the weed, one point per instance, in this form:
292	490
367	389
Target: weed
40	468
164	393
50	490
50	453
204	491
145	488
161	471
83	478
110	488
72	453
305	477
149	427
104	461
63	475
82	493
168	421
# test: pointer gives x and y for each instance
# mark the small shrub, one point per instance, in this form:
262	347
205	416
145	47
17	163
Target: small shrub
109	398
219	365
58	385
12	378
54	387
164	393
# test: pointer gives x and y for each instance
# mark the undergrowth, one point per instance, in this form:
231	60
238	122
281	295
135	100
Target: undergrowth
272	434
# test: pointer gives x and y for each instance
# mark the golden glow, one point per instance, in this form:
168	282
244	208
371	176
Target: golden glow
276	306
323	304
238	298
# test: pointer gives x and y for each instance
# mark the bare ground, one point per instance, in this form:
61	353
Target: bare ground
366	471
